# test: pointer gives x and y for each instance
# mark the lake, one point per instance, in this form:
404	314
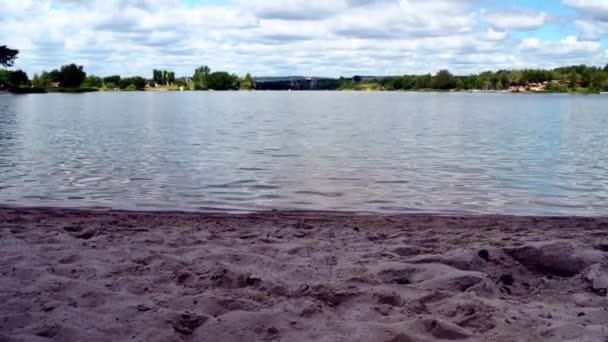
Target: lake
387	152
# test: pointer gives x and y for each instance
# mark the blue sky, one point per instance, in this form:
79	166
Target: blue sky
305	37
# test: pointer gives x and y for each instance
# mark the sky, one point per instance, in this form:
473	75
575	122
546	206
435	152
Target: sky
304	37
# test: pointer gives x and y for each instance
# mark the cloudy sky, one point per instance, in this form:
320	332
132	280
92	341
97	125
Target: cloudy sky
304	37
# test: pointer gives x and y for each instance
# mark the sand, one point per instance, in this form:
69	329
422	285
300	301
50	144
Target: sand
70	275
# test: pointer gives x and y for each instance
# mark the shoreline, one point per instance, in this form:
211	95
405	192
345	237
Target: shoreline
77	274
25	91
236	213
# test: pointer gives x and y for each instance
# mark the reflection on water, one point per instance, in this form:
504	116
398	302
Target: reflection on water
355	151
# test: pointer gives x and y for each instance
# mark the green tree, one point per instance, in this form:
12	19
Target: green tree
484	80
444	80
408	82
423	81
170	77
248	83
139	83
164	78
35	80
597	79
7	56
504	78
517	77
5	76
42	81
200	76
157	76
586	78
71	76
114	79
221	80
573	79
92	81
55	76
19	78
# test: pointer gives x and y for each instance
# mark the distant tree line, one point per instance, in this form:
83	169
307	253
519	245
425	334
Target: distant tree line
563	79
72	77
578	78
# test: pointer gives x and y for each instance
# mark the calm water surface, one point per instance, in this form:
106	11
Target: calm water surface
354	151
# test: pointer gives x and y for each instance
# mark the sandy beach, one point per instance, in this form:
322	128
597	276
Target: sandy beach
71	275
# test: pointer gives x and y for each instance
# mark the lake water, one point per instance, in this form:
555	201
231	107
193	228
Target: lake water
389	152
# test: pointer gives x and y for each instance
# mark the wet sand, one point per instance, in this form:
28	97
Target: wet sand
71	275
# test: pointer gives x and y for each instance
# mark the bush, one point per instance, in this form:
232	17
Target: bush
556	88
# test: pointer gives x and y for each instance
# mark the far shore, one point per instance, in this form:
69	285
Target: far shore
78	275
475	91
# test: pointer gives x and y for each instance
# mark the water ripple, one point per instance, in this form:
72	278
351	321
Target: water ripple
386	152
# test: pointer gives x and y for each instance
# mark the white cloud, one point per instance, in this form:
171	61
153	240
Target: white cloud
592	30
496	35
594	22
273	37
514	20
569	50
594	8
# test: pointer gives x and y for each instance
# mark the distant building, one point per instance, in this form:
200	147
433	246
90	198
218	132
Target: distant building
55	84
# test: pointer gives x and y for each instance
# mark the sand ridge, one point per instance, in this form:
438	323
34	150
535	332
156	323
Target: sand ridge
74	275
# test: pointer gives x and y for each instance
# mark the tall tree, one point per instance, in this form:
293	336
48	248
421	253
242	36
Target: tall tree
200	74
170	77
423	81
71	76
586	78
42	81
248	83
7	56
444	80
19	78
157	76
572	79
